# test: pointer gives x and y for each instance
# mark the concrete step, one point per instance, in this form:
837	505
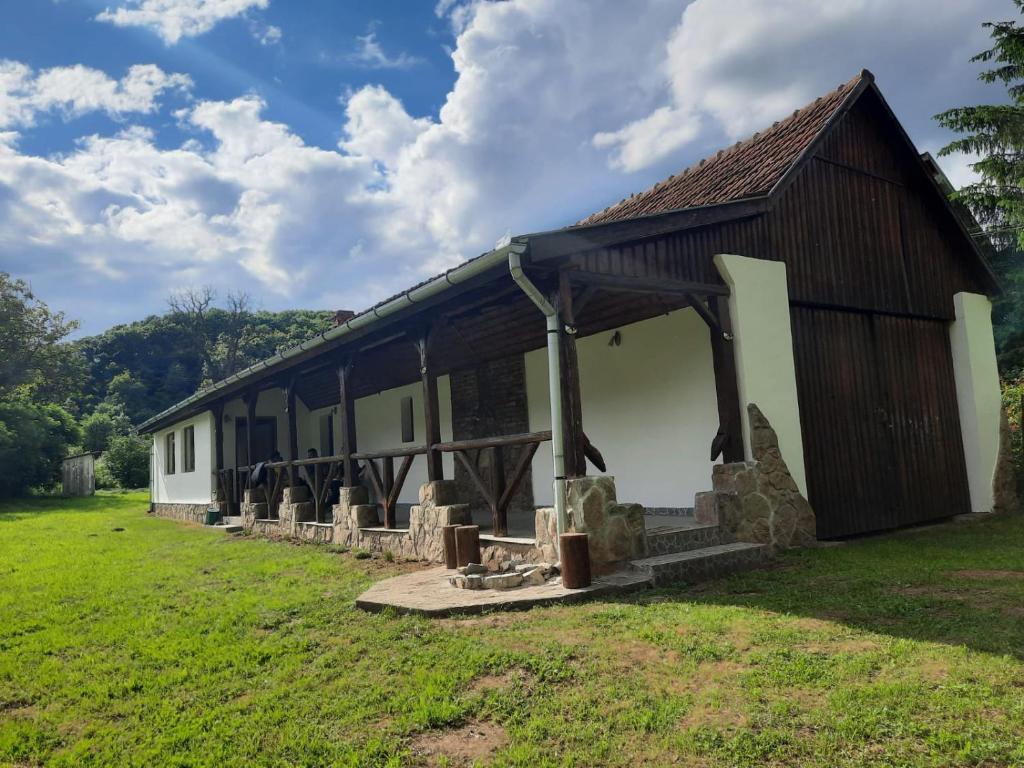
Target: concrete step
699	564
232	528
683	538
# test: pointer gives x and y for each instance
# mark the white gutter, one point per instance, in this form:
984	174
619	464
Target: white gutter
554	380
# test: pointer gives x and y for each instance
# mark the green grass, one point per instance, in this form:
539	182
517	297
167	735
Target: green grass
169	645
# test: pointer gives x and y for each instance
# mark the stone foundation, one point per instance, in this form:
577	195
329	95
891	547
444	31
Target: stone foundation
187	513
758	501
616	531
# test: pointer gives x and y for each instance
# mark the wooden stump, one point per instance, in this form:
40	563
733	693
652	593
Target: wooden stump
451	557
574	550
467	544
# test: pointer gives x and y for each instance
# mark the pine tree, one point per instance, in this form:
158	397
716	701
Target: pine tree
995	133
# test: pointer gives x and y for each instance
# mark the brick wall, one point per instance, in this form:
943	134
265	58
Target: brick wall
490	400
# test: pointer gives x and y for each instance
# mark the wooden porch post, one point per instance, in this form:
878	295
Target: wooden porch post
572	406
218	436
729	441
431	416
293	433
347	419
250	417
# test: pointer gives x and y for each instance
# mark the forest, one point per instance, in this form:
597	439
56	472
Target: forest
61	396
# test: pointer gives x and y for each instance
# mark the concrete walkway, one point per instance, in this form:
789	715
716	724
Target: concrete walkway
428	593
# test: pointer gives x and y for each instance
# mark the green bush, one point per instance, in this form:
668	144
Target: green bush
34	438
1013	393
127	461
105	481
97	430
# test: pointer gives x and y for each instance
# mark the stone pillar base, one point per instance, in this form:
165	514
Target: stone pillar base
758	501
616	530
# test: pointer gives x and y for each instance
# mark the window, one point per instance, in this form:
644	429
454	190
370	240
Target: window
408	433
169	454
189	449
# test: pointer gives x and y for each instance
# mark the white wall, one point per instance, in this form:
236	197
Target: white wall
379	426
977	392
763	347
182	487
649	405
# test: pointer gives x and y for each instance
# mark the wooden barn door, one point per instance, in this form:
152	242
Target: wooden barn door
881	429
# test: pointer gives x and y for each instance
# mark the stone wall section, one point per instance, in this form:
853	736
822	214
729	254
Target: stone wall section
187	513
616	530
489	400
758	501
1005	490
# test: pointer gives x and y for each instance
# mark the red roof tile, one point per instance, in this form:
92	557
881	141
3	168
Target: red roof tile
750	168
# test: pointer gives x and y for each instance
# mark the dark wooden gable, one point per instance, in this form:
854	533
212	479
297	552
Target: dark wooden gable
862	226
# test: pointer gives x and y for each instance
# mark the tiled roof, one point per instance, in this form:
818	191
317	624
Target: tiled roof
747	169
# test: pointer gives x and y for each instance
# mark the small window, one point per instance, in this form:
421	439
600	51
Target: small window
189	449
169	454
408	433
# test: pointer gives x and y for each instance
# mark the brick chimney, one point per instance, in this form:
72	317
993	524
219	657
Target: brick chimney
341	315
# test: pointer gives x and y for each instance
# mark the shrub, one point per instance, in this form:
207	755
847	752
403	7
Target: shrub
97	429
127	460
34	438
1013	396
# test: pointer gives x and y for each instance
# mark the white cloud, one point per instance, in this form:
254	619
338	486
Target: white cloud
370	54
267	35
746	63
76	90
175	19
559	107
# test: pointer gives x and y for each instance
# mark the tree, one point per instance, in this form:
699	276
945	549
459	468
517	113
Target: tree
995	133
30	353
34	437
127	461
97	430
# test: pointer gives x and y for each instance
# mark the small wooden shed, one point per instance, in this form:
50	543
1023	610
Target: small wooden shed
78	474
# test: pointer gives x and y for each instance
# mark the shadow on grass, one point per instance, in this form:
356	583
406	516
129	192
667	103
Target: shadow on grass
12	510
957	584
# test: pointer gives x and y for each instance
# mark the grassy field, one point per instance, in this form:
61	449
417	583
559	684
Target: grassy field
126	640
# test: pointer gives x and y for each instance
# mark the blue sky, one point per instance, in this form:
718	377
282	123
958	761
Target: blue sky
325	154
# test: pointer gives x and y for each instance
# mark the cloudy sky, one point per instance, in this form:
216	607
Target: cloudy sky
320	153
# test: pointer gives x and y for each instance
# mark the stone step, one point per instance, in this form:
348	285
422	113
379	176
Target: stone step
232	528
699	564
663	541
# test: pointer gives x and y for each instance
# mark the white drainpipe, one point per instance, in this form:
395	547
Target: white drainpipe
554	381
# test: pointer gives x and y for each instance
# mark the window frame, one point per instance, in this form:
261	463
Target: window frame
188	449
170	450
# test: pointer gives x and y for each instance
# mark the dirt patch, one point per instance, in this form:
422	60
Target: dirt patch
502	681
470	744
985	575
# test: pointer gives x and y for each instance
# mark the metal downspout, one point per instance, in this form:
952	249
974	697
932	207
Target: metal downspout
515	267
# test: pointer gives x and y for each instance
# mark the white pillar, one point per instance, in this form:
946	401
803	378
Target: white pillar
763	345
977	392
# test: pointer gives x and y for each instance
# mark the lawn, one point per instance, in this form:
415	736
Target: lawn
127	640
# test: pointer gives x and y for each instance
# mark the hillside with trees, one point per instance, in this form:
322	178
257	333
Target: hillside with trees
59	396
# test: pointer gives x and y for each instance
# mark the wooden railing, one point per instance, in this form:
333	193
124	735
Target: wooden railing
386	483
320	473
497	491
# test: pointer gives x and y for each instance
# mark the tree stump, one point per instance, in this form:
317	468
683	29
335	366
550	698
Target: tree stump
451	556
574	551
467	544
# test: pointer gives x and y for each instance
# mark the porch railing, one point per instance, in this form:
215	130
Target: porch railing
320	474
497	491
386	483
